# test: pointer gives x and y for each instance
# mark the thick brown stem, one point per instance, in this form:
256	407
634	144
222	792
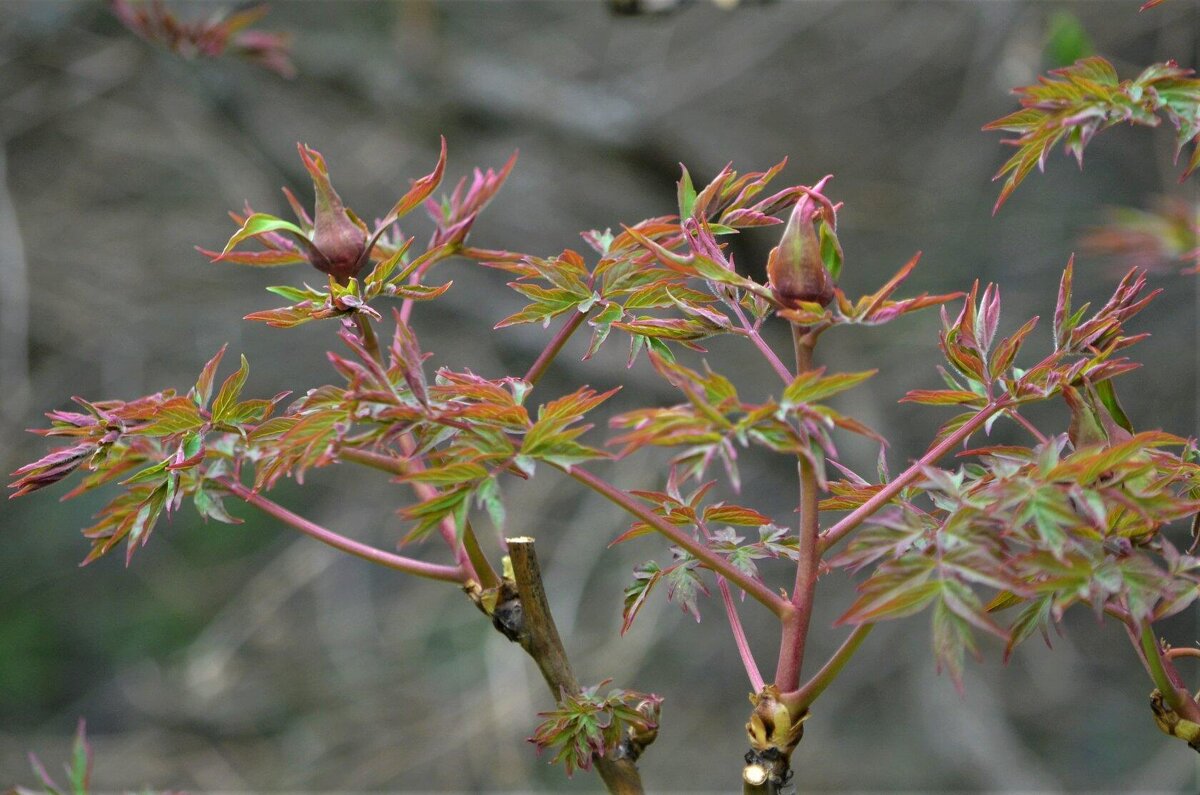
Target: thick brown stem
538	636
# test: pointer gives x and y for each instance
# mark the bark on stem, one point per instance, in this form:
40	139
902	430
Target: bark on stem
433	571
540	640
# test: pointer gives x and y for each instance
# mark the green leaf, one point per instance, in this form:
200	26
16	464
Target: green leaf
1035	616
1108	396
488	496
204	384
1067	41
260	223
686	195
210	506
944	397
80	771
429	513
601	326
684	586
735	515
952	639
448	474
149	474
645	577
284	317
831	249
812	385
176	415
897	589
230	391
295	294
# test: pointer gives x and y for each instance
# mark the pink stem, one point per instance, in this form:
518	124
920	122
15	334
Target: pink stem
739	636
735	624
1029	426
555	345
795	627
399	466
772	358
814	687
881	498
380	461
420	568
713	561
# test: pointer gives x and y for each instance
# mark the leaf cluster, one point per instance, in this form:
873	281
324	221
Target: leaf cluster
161	448
1075	102
586	725
210	37
1077	517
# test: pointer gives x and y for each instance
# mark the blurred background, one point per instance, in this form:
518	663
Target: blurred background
248	658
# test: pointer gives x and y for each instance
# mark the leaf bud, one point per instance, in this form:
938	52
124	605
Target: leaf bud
1169	722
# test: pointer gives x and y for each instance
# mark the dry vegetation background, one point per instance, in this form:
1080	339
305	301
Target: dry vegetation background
246	658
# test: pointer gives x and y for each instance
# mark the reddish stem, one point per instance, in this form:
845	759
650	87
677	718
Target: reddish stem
719	565
814	687
433	571
1029	426
772	358
881	498
795	627
402	466
380	461
542	363
735	624
739	637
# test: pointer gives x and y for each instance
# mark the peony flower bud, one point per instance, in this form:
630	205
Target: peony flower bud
796	268
339	238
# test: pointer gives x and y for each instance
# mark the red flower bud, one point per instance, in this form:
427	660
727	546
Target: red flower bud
339	237
796	268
